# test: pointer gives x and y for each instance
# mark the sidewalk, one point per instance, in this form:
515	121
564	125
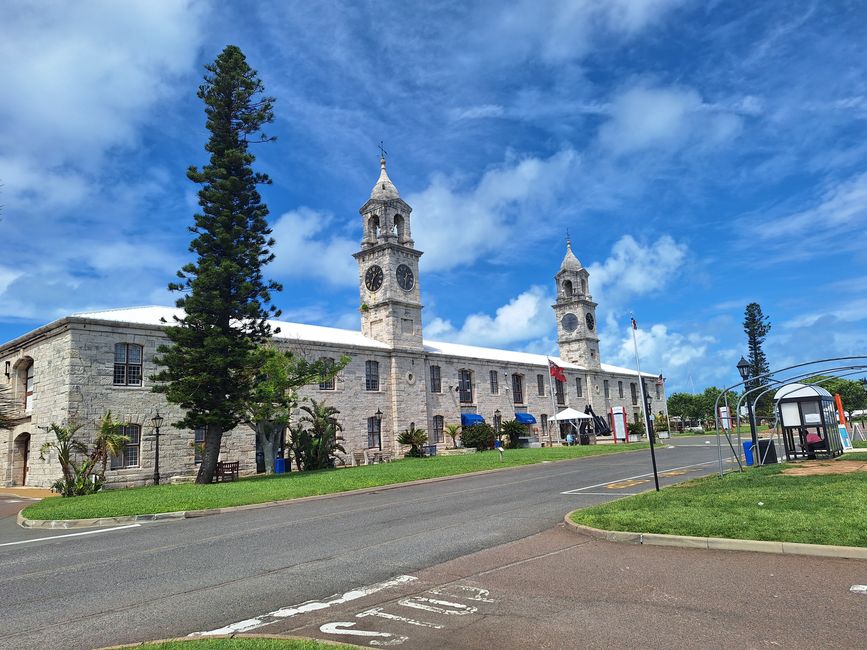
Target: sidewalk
560	589
26	492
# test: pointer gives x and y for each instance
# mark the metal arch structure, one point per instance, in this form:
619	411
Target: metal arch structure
763	376
854	370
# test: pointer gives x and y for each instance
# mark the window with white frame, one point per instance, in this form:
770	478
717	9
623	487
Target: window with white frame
129	454
127	364
371	375
327	384
438	435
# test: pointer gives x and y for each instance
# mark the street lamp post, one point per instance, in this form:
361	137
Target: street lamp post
744	370
378	415
497	420
157	421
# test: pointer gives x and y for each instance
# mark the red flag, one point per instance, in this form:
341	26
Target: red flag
556	371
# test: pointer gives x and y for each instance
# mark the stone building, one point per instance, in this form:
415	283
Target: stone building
79	367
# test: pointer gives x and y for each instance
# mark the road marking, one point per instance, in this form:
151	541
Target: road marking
340	628
481	595
608	494
378	611
858	589
629	478
88	532
430	605
627	484
13	501
303	608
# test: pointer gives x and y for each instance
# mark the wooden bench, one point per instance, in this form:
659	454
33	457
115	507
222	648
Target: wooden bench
226	471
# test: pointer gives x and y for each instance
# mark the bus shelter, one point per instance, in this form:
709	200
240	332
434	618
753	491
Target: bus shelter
809	422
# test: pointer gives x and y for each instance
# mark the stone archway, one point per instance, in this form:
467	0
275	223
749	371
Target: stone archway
21	459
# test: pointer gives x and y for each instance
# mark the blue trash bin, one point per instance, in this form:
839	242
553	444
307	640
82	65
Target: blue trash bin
748	451
279	465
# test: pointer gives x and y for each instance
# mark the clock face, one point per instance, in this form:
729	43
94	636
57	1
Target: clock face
590	321
373	278
569	322
405	278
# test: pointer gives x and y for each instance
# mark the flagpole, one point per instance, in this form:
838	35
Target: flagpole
553	408
644	406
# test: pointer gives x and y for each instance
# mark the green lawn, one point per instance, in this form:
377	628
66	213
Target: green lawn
241	643
172	498
808	509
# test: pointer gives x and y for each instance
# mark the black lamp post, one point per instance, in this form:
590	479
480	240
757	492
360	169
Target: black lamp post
378	416
497	420
157	421
744	370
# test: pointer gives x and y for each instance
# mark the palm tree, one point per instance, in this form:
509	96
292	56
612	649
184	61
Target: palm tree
415	438
109	441
453	431
324	431
66	446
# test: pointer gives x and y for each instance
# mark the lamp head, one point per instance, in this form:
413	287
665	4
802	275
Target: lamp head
157	420
744	368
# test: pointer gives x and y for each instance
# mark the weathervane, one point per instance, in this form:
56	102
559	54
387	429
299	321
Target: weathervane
382	152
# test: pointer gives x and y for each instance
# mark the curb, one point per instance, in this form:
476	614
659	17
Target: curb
192	514
277	637
718	543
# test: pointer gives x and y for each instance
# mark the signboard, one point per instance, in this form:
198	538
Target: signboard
724	418
618	424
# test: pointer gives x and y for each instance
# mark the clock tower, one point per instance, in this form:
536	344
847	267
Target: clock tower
576	314
388	269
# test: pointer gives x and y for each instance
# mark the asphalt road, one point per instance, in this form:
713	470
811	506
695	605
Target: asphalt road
170	579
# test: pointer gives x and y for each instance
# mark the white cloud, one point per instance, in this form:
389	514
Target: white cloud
559	32
645	117
634	270
7	277
477	112
79	79
304	249
459	226
842	208
525	317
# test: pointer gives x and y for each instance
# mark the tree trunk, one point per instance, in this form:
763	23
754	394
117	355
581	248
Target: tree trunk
213	438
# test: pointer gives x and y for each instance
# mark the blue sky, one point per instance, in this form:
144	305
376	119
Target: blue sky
701	155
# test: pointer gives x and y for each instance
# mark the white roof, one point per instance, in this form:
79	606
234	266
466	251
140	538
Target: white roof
161	315
801	391
572	414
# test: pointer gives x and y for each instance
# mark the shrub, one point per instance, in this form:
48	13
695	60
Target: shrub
513	430
636	428
415	438
481	436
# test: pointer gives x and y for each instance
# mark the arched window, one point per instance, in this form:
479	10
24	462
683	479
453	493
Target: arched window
28	387
437	436
127	364
518	388
399	227
373	226
567	288
583	286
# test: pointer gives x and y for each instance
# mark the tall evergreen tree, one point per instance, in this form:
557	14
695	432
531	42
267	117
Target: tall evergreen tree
207	369
756	327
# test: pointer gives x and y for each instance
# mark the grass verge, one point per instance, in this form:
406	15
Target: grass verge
241	643
172	498
757	504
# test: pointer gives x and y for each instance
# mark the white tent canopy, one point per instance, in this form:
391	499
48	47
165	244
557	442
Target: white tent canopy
571	414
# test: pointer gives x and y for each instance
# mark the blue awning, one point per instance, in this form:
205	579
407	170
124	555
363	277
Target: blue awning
525	418
469	419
